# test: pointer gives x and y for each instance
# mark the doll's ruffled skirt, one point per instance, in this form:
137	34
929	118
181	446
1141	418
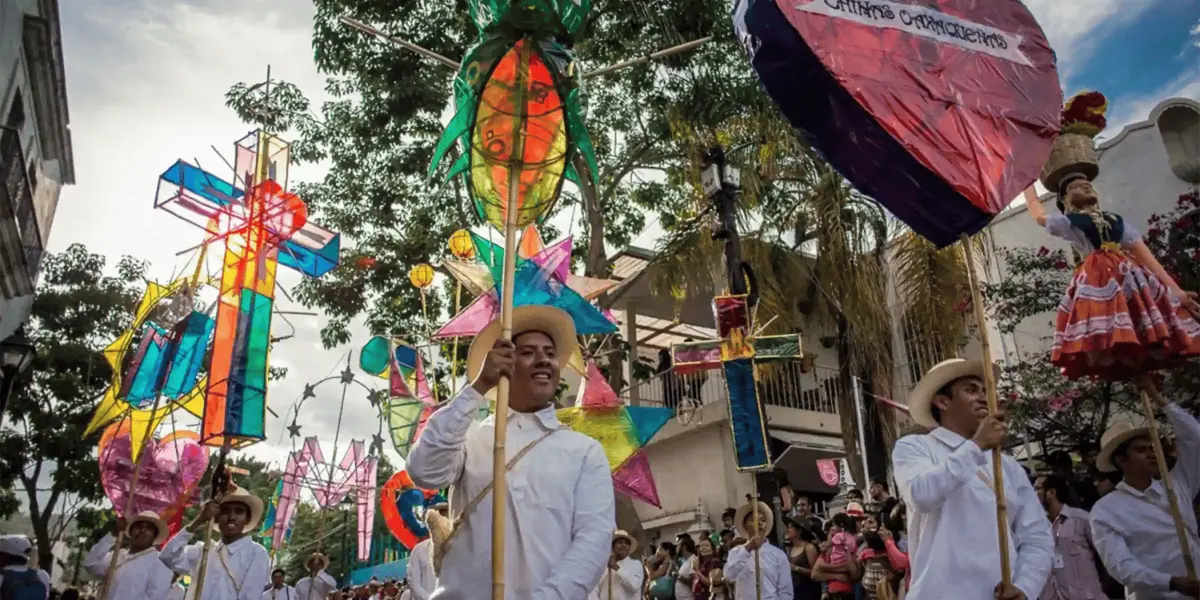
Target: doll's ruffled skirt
1117	320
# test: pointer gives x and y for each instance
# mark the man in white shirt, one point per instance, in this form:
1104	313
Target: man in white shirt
15	570
623	578
560	507
740	568
1132	526
945	477
237	567
318	584
279	590
139	574
421	580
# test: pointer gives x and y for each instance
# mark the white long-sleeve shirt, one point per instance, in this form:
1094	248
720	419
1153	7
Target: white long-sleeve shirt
239	571
421	579
776	573
319	591
560	506
286	592
1134	532
946	481
138	577
626	582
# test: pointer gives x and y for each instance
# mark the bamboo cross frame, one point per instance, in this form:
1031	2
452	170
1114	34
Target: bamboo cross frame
993	404
1172	501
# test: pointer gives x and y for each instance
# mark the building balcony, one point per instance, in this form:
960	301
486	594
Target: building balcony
20	238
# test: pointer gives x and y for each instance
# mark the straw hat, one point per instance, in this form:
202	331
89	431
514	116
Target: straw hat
554	322
254	503
740	518
621	534
149	516
1118	433
317	557
920	400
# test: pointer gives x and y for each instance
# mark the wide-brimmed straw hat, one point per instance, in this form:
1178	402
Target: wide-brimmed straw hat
1118	433
739	519
148	516
621	534
318	557
554	322
254	503
920	400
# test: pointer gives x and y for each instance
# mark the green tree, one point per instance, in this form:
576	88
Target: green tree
79	308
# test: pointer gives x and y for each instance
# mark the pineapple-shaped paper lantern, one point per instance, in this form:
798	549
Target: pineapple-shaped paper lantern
421	275
461	245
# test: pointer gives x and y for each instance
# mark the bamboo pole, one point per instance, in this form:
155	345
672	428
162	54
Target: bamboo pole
429	335
133	484
989	381
202	570
1172	501
454	352
757	554
407	45
499	459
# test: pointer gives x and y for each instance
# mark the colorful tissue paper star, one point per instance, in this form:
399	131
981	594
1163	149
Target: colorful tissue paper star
622	430
112	407
480	275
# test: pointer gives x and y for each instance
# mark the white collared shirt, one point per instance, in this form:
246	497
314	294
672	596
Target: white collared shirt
626	581
324	585
239	571
946	481
776	573
560	517
140	577
286	592
1134	532
421	579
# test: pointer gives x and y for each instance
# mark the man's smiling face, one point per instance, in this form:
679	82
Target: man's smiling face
536	373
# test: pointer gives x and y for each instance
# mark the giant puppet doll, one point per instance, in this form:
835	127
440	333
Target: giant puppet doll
1122	314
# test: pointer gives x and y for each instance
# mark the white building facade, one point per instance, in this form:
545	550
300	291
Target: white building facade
35	147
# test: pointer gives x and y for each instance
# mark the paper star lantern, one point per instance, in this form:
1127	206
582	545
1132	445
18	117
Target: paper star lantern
621	430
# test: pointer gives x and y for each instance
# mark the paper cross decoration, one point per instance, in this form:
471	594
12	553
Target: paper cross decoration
622	430
263	226
738	353
409	400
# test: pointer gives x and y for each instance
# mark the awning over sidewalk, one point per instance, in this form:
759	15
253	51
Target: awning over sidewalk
797	454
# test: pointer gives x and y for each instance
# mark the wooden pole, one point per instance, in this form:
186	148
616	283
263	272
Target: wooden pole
429	336
1172	502
203	568
133	484
363	27
684	47
454	352
757	555
499	459
989	381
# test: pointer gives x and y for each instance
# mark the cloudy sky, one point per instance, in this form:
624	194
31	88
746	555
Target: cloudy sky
146	81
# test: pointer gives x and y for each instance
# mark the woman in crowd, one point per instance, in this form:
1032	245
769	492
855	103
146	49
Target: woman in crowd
709	564
803	556
663	574
838	566
882	563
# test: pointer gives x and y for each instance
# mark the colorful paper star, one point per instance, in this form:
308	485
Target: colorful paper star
622	430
